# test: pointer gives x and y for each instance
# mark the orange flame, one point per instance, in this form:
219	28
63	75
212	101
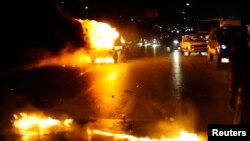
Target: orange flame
65	58
36	126
183	136
99	34
106	60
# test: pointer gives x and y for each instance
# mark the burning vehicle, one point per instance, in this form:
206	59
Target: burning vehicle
105	42
107	56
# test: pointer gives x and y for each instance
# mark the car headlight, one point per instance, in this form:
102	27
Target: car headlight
176	41
223	46
154	41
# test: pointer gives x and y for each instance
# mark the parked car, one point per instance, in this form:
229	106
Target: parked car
193	43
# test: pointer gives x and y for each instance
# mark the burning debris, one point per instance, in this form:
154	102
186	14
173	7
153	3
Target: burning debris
183	136
37	126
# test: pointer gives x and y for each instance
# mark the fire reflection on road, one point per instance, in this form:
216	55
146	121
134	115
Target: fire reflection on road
177	78
106	90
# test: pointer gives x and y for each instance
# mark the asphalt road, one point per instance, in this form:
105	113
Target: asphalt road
148	96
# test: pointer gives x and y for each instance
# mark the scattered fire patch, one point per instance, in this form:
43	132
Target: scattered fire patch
35	126
183	136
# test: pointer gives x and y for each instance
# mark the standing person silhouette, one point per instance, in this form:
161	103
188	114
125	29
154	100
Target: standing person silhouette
240	79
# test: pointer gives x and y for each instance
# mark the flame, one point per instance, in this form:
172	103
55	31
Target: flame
66	58
105	60
99	34
122	40
30	126
183	136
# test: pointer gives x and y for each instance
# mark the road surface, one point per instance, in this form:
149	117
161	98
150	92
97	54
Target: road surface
148	96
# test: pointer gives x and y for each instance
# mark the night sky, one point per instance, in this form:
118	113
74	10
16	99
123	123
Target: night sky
48	17
168	10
